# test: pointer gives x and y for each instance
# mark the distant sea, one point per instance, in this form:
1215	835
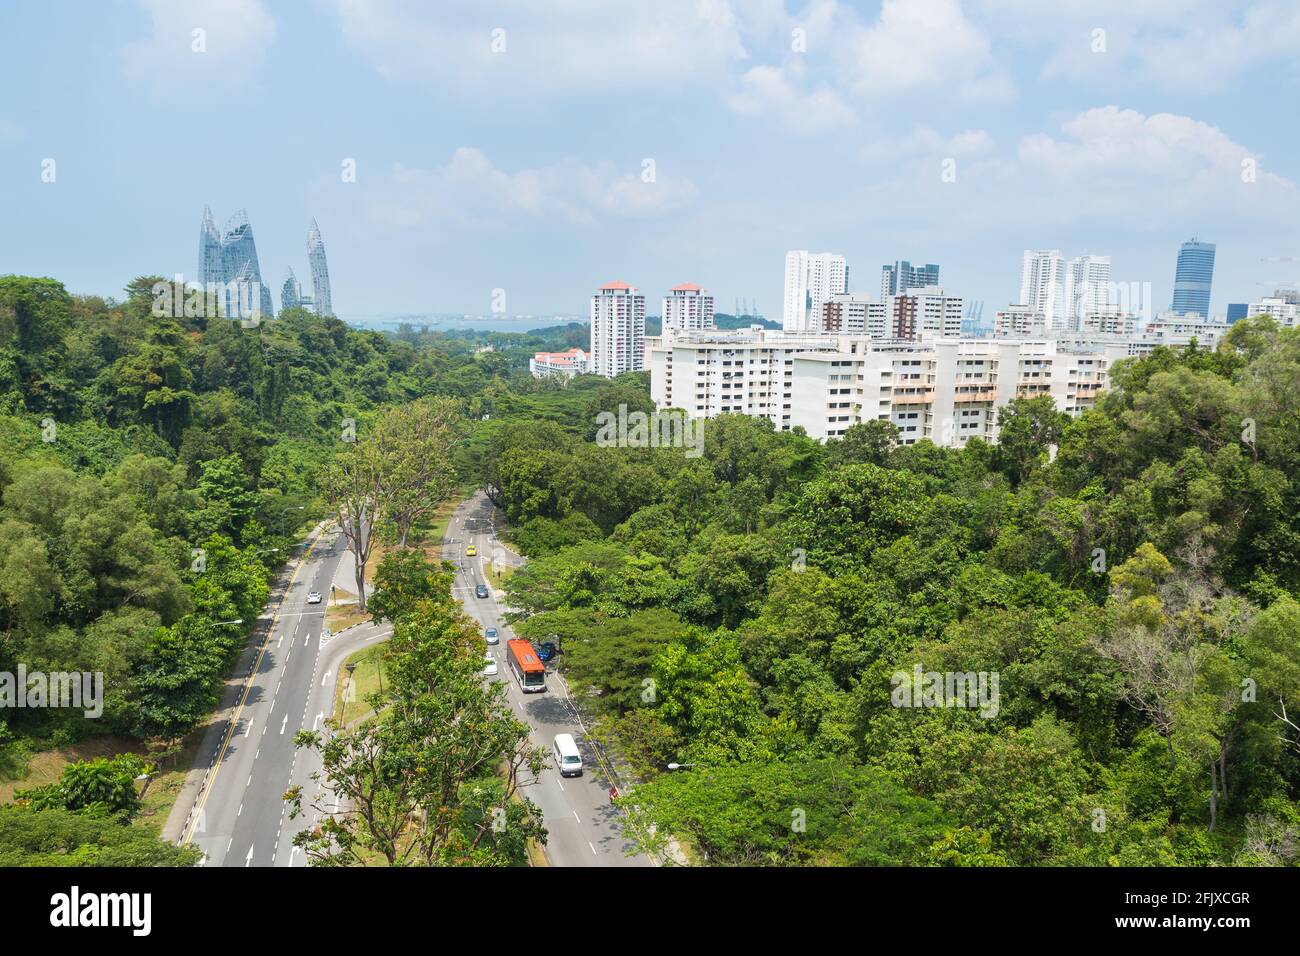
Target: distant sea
448	322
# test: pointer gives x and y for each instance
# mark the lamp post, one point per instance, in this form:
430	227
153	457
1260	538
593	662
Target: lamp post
680	766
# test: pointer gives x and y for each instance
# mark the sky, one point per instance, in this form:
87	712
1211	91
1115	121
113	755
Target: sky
452	152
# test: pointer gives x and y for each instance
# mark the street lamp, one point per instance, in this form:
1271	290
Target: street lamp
680	766
238	620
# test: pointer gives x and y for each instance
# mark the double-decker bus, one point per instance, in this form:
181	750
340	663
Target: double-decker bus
528	670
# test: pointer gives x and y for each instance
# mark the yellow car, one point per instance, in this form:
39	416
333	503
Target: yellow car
471	551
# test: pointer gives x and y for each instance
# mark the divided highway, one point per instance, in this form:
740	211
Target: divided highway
234	800
240	817
583	827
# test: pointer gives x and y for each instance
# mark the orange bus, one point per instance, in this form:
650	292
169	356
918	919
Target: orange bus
528	670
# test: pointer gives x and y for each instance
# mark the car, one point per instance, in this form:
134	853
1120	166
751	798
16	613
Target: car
471	551
568	759
489	665
313	597
546	650
480	591
491	635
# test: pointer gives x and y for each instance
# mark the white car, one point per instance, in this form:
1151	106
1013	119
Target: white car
489	665
313	597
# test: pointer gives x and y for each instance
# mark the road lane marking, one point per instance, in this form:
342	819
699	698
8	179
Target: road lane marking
593	849
576	817
197	810
284	723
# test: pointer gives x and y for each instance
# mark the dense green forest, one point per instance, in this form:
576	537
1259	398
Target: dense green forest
1129	578
154	472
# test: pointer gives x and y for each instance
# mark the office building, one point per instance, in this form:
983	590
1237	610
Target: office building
1193	277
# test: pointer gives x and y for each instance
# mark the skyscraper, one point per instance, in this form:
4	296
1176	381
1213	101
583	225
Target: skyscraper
617	330
231	256
1042	285
1087	288
320	273
901	276
810	280
1192	277
290	293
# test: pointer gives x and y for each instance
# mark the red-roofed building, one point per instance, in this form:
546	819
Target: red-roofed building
687	308
568	364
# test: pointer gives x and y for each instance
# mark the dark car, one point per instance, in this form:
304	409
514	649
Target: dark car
546	650
480	591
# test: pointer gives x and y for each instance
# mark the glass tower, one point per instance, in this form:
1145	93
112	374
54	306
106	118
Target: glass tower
231	256
320	272
1193	276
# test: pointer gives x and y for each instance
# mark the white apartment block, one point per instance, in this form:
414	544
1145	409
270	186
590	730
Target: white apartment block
925	311
855	314
1172	328
743	371
810	280
1042	285
1019	321
566	364
617	330
1284	312
687	308
1087	288
945	389
1108	320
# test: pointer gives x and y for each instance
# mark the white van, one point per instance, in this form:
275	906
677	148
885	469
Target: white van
567	758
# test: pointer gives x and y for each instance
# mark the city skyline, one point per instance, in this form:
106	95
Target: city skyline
1004	128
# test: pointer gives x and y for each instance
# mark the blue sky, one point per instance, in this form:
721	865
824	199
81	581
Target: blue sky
770	126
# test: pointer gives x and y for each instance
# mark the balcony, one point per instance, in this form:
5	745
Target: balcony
978	393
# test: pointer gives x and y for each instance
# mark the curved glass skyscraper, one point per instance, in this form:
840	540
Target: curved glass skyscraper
231	256
1192	277
320	272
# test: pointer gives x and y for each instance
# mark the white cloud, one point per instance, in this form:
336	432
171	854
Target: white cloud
924	45
776	91
235	35
581	45
1185	45
470	192
1116	146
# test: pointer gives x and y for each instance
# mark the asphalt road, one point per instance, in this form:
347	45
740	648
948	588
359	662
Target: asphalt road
241	818
584	828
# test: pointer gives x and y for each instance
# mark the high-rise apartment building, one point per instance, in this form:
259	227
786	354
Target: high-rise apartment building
617	330
1192	278
810	280
1087	288
290	292
902	275
687	308
320	272
231	256
1042	285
